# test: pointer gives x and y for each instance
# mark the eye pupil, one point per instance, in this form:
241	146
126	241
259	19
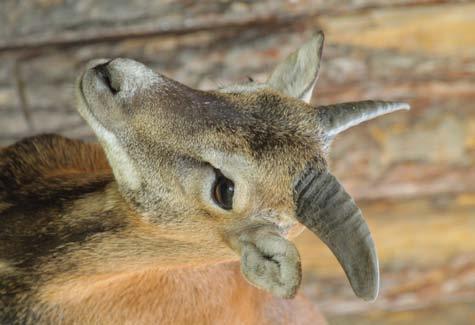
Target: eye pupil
223	192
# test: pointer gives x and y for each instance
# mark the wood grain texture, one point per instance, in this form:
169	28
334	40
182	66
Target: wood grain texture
451	313
54	22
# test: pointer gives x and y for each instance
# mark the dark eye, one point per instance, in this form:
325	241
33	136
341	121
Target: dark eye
223	191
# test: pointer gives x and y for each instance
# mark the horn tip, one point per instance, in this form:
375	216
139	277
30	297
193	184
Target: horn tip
366	285
402	106
370	291
370	296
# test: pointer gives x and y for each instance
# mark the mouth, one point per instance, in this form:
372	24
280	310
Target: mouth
286	228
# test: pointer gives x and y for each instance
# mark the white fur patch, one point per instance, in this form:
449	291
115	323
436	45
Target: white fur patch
122	165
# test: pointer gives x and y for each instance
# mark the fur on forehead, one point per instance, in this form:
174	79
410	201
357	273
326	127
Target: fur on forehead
263	125
277	128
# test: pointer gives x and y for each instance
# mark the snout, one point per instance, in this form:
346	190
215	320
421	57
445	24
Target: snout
117	77
107	91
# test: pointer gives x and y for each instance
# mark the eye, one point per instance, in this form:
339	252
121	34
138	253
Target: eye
223	191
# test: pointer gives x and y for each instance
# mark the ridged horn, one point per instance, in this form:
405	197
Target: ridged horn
339	117
327	210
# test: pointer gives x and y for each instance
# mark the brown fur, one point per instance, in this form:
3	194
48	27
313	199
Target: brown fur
215	294
53	190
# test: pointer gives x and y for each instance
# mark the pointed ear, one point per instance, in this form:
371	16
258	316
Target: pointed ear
297	75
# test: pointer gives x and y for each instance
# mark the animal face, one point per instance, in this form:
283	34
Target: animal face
236	170
170	139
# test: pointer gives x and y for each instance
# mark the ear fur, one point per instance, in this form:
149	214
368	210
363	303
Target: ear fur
297	75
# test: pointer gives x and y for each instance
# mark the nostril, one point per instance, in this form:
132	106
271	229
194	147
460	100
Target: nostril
104	73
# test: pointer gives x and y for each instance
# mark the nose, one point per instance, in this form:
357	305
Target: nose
123	76
106	75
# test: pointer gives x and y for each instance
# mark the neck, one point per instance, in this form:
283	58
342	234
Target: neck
153	295
110	258
108	237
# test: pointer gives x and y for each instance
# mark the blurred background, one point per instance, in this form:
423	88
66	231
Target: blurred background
413	173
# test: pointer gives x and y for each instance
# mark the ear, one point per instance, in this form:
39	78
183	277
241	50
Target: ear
297	75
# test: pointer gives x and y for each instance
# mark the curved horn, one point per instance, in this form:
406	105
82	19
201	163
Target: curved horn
327	210
339	117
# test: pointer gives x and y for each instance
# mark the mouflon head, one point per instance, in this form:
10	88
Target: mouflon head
237	169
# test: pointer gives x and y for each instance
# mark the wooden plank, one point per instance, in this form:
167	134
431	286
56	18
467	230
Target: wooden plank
437	29
55	22
461	313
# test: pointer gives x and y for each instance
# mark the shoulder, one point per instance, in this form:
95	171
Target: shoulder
50	152
48	159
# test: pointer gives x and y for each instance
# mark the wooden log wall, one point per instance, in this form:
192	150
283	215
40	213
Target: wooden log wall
413	173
